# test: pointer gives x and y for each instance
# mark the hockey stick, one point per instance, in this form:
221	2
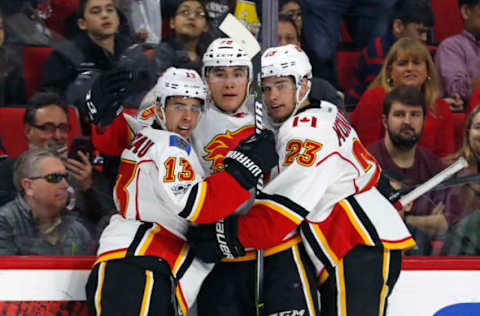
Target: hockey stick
234	29
450	183
431	183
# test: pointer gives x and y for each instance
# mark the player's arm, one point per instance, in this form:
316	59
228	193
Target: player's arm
221	194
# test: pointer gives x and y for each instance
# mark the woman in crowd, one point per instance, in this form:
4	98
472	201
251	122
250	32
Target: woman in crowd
186	48
464	237
407	63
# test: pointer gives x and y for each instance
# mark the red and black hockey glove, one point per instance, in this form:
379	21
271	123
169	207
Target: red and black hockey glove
252	157
212	242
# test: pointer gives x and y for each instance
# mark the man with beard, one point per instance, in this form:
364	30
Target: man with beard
403	118
46	127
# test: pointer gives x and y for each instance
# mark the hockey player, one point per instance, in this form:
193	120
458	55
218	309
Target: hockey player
229	289
325	185
144	264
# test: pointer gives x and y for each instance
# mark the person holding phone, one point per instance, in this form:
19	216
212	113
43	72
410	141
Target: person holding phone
47	127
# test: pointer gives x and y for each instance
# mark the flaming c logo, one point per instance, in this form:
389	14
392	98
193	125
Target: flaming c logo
147	113
221	144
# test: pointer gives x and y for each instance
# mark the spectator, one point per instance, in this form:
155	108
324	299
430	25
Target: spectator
464	237
292	9
403	117
287	31
410	18
187	46
407	63
36	222
12	85
46	127
97	49
321	22
458	57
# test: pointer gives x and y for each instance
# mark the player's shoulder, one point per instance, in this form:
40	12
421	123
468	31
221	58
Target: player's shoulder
310	120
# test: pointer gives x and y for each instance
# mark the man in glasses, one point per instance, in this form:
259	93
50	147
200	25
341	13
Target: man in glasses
35	222
46	127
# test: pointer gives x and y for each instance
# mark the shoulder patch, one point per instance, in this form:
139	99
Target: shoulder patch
177	141
307	120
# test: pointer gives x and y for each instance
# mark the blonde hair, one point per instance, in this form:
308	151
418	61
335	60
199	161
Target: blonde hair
431	88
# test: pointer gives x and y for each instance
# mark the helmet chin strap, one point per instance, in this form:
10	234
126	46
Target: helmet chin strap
161	120
297	95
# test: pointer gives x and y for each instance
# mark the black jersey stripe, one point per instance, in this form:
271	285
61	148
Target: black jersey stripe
192	197
284	201
364	220
141	231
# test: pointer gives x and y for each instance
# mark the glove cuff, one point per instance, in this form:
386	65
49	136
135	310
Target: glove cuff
226	231
242	168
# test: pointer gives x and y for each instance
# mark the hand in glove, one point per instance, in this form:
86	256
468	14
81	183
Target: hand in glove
104	99
252	157
212	242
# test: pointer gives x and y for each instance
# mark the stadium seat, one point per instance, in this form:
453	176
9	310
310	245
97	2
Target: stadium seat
448	20
12	129
346	62
61	11
34	58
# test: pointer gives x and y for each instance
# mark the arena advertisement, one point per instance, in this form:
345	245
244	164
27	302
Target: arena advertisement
54	286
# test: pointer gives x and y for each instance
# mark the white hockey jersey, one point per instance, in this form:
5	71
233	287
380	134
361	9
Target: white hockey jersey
325	182
216	134
159	189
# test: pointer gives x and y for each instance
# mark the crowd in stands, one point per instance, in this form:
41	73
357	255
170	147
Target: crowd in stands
405	81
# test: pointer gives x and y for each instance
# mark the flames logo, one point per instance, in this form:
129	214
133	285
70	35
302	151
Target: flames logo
221	144
147	113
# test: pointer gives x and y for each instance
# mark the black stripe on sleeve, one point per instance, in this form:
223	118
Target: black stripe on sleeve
285	202
190	202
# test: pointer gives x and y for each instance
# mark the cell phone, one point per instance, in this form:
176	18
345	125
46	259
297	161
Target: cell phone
83	144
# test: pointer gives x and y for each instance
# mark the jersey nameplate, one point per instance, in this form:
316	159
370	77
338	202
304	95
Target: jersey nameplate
177	141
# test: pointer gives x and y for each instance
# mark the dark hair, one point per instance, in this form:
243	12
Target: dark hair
281	3
287	19
412	11
470	3
406	95
40	100
82	5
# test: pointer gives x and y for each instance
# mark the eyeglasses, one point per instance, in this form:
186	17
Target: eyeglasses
51	128
51	177
187	13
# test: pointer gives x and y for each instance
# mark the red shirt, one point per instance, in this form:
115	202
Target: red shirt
438	135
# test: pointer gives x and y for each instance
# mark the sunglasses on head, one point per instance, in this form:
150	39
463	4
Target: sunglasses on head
51	177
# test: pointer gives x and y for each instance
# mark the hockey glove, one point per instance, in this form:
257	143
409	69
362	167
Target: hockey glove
104	99
252	157
213	242
386	189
